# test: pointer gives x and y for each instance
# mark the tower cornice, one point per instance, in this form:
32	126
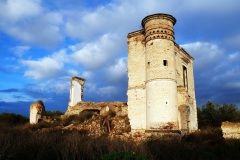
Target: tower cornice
159	16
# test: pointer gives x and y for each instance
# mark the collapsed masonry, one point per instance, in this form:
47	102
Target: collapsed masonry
231	130
76	105
37	111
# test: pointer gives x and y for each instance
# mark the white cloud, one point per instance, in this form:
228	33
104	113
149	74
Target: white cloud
234	56
88	75
57	85
20	50
73	72
25	21
42	69
117	71
98	53
206	54
102	32
15	10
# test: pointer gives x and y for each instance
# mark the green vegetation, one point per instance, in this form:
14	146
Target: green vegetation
54	114
212	115
13	119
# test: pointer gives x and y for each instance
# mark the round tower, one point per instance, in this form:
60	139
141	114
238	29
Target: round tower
161	88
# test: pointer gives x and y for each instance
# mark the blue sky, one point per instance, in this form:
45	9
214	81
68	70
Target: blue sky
44	43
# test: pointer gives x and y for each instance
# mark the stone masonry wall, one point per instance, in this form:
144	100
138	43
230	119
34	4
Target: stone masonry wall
231	130
136	80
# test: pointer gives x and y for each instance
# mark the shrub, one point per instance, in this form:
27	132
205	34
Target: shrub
54	114
13	119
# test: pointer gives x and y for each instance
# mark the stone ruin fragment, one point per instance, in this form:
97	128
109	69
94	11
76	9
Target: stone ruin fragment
231	130
37	111
76	91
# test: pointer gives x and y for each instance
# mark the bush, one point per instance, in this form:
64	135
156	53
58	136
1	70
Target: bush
54	114
13	119
213	114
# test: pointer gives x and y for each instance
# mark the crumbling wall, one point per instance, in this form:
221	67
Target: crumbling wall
231	130
186	110
136	80
37	111
120	108
76	91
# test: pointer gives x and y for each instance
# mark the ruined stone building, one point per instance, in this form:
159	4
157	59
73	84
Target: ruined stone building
37	111
161	94
76	91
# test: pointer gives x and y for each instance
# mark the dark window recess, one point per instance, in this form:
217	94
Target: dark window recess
185	77
165	62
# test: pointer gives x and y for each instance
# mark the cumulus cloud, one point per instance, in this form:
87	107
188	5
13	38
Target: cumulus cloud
14	10
216	72
98	53
42	69
117	71
43	89
97	47
30	23
206	54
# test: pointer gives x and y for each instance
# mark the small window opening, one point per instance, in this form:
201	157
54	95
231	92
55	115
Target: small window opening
185	77
166	102
165	62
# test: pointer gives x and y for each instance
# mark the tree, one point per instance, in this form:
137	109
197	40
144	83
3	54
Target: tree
213	114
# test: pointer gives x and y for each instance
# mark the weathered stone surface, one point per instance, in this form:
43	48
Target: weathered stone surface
231	130
37	111
120	108
76	91
160	78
